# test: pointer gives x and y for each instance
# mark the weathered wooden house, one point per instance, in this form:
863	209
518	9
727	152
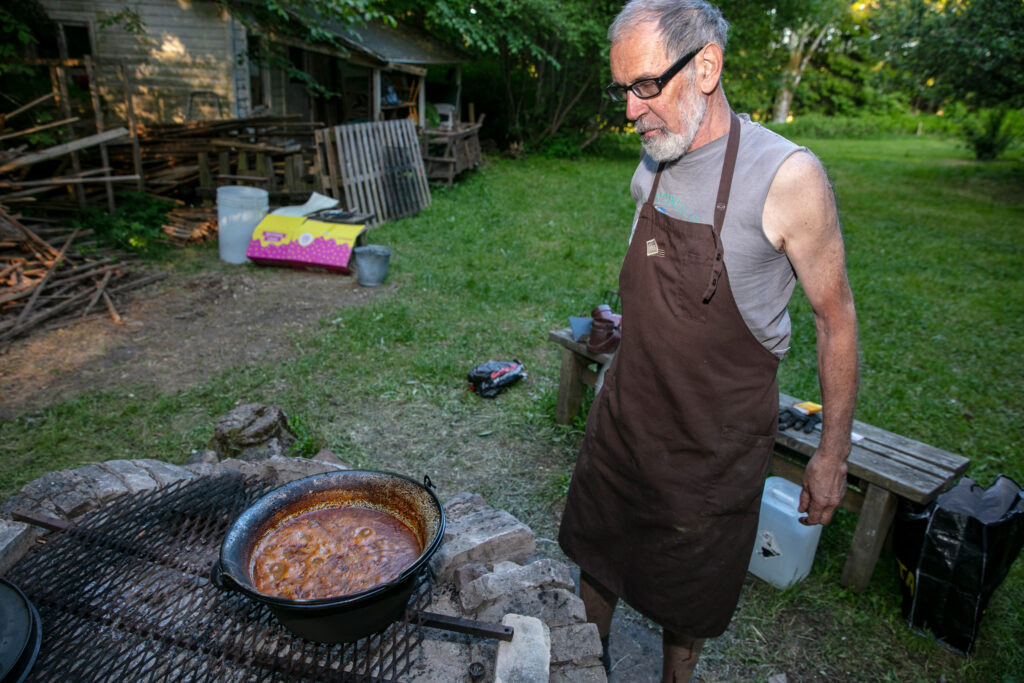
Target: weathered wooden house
190	59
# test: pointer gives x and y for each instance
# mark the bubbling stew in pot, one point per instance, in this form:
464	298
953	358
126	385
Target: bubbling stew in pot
332	552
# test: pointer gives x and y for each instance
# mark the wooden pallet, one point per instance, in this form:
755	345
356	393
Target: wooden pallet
374	168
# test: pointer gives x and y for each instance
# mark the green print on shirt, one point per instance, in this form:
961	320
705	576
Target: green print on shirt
669	204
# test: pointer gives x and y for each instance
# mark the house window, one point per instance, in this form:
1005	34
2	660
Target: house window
69	41
76	40
259	75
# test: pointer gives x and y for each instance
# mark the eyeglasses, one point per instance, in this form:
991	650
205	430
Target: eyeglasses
649	87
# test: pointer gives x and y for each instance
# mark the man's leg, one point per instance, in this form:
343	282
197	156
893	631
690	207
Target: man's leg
600	605
679	656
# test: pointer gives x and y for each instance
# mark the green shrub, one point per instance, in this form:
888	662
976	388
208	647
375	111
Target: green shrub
991	132
136	225
835	127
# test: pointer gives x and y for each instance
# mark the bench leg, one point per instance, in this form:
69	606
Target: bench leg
872	528
570	388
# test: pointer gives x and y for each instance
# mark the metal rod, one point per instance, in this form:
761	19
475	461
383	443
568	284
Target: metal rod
468	626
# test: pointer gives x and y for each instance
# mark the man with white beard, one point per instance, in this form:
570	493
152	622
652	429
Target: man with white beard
662	509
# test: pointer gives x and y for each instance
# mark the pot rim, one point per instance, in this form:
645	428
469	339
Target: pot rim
223	577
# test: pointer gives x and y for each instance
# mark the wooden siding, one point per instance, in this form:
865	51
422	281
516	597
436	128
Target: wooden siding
187	48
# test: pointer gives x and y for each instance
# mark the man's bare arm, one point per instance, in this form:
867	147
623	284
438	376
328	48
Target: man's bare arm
800	218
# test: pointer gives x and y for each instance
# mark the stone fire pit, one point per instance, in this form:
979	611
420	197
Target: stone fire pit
487	569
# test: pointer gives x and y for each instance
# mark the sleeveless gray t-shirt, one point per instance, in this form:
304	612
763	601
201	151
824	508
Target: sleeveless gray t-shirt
761	276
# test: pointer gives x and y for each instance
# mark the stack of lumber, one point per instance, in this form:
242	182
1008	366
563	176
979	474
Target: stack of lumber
173	155
190	226
43	286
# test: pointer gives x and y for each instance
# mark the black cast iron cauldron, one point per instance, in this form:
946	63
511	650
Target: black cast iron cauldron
348	617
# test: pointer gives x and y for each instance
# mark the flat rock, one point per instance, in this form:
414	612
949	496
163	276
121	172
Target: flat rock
135	477
163	473
252	431
576	643
286	469
65	493
440	660
578	674
553	606
526	658
15	540
329	456
105	484
207	456
515	578
483	536
246	467
462	504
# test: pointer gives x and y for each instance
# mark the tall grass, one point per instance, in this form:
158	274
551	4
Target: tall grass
936	260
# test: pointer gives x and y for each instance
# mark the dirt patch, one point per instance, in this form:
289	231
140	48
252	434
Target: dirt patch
175	334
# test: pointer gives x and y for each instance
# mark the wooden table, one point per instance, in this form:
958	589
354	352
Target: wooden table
447	152
883	466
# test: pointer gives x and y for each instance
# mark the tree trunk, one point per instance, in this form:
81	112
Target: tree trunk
799	57
782	104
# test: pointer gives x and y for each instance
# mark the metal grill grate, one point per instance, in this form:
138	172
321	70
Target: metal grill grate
126	595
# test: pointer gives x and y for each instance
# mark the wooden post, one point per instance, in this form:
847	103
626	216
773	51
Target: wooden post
570	388
140	184
205	177
875	519
376	113
223	165
97	111
60	85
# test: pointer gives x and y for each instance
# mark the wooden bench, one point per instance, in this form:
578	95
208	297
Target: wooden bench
883	466
577	372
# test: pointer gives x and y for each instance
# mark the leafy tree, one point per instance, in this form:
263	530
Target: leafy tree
780	55
969	52
799	30
311	21
966	50
545	58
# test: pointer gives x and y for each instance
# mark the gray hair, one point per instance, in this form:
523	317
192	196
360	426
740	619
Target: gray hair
684	25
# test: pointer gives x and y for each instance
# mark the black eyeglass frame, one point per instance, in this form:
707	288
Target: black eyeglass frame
618	92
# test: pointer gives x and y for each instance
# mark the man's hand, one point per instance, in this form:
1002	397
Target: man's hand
824	487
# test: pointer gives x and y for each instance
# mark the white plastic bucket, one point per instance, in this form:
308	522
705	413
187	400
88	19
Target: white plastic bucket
239	210
784	548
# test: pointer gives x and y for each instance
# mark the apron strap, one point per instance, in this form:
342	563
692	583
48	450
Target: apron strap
654	187
722	203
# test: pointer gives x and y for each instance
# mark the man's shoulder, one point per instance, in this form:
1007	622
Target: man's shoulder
755	136
643	176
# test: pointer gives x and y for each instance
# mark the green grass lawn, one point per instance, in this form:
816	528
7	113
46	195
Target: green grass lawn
936	259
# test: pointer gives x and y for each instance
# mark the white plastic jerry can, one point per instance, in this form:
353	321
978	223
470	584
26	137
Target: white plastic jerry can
784	548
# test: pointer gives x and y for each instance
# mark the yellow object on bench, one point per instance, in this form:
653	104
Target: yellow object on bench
883	466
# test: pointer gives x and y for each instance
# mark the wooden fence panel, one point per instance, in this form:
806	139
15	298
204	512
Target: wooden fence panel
375	168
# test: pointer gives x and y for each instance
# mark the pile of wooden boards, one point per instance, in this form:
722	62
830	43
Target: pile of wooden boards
275	153
44	287
190	226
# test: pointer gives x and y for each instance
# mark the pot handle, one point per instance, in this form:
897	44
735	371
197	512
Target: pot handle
220	578
427	483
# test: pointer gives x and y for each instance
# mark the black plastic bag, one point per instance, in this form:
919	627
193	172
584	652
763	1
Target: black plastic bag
954	554
488	379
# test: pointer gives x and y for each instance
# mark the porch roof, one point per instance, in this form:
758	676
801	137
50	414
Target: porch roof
399	44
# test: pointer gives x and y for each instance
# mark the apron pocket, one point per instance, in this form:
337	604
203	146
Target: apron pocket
740	466
692	277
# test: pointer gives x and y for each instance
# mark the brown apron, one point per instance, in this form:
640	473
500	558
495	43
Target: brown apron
663	505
